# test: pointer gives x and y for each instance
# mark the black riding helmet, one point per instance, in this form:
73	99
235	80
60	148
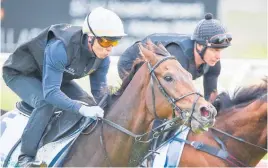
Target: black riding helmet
210	33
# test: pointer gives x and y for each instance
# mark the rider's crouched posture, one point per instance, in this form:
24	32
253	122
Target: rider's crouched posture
41	72
199	54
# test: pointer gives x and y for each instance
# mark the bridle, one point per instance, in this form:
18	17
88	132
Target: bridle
221	152
185	116
238	139
173	123
170	99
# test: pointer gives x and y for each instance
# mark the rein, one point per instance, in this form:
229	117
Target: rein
173	123
138	137
238	139
221	153
170	99
217	152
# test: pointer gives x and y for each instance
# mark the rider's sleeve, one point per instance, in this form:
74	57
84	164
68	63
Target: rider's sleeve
98	80
211	79
54	63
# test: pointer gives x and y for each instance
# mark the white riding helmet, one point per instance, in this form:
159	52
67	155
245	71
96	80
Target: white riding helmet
103	22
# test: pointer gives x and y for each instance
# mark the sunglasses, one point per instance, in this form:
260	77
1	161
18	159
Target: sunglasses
220	40
105	42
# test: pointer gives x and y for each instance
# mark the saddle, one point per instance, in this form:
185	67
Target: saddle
166	150
24	108
61	132
61	125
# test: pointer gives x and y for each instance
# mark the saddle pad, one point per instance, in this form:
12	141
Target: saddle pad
170	154
14	124
52	153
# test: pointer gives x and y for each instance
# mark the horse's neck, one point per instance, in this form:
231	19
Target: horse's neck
131	113
245	123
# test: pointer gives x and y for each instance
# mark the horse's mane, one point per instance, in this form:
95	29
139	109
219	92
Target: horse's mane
241	97
113	97
158	49
136	66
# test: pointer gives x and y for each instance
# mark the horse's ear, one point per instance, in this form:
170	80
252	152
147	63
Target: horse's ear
147	55
156	49
164	50
150	45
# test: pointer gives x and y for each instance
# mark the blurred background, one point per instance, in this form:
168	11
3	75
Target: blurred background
244	63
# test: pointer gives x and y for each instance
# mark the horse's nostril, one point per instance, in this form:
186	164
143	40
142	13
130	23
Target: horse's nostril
204	112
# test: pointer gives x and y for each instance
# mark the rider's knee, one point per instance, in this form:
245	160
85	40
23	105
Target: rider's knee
42	103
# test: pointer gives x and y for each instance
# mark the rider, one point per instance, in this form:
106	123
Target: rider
199	54
41	72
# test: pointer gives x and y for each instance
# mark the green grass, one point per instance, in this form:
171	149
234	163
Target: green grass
8	101
249	30
8	98
255	51
247	51
265	157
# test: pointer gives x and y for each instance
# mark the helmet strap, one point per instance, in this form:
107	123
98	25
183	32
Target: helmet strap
92	40
92	43
202	52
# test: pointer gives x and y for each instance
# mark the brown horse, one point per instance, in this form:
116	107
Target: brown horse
244	116
161	88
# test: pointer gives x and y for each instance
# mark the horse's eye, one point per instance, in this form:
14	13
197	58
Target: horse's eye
168	78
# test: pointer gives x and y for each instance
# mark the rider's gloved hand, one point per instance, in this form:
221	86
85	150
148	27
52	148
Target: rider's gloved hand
92	112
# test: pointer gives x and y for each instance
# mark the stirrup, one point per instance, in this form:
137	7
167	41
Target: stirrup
38	164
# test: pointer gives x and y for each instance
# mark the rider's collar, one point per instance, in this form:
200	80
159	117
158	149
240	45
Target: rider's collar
85	47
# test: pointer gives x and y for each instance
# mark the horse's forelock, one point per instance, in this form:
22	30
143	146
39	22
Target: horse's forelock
222	101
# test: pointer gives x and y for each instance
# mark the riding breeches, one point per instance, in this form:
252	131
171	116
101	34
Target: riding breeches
29	89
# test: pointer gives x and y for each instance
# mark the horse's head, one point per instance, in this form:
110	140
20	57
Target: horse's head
244	116
171	90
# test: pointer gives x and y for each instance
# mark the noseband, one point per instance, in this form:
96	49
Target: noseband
171	100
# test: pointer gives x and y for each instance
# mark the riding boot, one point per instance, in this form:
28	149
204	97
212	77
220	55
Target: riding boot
28	161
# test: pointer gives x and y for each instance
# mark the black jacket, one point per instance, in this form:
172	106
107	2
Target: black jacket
28	58
182	47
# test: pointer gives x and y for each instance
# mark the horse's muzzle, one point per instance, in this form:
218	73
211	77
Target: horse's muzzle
208	111
204	119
